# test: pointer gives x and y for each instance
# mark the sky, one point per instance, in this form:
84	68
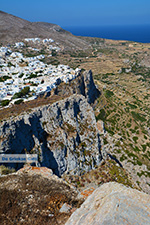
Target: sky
80	12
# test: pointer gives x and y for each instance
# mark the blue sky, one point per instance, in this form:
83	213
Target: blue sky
80	12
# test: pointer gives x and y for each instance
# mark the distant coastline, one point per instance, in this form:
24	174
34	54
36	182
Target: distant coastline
137	33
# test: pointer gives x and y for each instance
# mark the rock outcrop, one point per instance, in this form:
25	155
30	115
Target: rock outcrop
113	203
64	135
83	84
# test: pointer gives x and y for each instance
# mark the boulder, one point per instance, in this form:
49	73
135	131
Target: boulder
113	203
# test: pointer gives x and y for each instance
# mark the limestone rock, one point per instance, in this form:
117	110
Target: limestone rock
91	92
113	203
83	84
65	208
64	135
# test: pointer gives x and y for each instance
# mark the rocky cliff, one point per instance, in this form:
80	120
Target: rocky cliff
113	203
63	134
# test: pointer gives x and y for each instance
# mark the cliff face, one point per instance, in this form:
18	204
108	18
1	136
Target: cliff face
64	135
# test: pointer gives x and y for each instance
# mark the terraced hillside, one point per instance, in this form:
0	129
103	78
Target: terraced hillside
122	72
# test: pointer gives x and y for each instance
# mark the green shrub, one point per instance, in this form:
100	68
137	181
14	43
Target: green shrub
145	137
5	102
132	106
54	53
109	131
22	93
105	141
139	163
135	139
21	75
108	93
18	101
10	64
128	125
138	116
127	109
101	115
136	149
4	78
32	75
144	147
82	70
122	158
6	170
132	130
130	154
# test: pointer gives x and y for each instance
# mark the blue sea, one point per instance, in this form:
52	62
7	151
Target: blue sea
137	33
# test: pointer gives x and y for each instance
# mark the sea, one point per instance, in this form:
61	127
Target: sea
136	33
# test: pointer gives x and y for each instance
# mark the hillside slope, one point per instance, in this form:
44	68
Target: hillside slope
14	29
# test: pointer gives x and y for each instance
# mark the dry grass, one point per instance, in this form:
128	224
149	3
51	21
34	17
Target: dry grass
108	171
14	110
34	200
